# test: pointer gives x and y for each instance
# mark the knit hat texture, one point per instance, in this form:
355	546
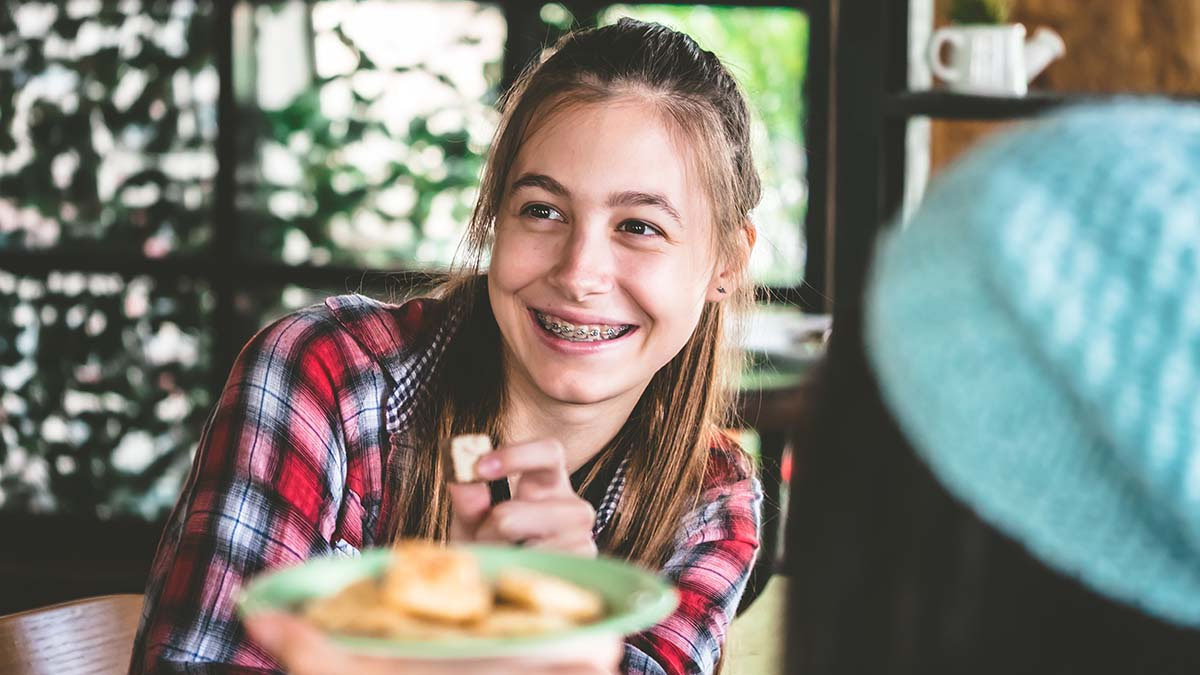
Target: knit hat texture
1035	329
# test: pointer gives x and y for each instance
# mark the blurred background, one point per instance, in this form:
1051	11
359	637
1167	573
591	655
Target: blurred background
174	174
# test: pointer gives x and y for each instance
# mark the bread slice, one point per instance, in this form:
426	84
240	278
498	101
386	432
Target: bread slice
548	595
432	582
465	450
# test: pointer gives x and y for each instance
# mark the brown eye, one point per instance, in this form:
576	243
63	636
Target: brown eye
639	227
541	212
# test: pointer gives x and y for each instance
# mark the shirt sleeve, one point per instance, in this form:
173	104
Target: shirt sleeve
710	567
263	492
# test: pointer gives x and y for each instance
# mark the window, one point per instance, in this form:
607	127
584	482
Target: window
108	118
366	150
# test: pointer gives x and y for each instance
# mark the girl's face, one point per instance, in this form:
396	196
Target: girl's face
603	255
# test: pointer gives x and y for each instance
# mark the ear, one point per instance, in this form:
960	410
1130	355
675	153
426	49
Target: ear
731	272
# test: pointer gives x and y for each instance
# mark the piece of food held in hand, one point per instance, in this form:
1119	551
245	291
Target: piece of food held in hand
430	592
465	450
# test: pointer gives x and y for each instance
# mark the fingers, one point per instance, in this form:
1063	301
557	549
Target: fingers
592	655
542	467
582	546
301	648
570	669
544	512
562	524
469	505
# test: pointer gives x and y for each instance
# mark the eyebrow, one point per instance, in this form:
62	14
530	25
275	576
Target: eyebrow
635	198
542	181
626	198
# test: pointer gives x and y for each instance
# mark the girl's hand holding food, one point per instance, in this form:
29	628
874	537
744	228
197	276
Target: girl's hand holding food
544	511
304	650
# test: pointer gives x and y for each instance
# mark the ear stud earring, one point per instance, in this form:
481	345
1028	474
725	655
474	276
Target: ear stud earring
721	289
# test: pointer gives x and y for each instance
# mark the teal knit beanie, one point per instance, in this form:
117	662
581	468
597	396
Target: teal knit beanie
1035	330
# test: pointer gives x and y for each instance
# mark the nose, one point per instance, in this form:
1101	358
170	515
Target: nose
585	264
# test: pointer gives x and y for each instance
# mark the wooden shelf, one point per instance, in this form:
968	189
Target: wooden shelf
949	105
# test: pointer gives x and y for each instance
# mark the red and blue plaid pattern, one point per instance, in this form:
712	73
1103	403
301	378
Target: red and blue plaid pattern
293	464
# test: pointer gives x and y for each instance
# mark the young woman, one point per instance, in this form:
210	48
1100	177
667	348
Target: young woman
1002	476
595	351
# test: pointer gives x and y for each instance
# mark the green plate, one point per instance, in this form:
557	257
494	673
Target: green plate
635	599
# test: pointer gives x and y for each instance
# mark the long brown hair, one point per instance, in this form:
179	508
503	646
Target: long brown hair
669	434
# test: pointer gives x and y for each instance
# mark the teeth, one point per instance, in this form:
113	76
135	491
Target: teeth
582	333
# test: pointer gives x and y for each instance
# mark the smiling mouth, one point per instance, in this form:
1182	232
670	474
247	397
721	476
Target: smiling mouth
581	332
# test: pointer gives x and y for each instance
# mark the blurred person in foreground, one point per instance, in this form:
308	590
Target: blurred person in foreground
1004	473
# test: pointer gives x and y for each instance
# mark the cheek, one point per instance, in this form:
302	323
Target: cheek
516	259
673	297
674	285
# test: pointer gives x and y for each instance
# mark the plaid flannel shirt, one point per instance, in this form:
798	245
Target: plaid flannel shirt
293	464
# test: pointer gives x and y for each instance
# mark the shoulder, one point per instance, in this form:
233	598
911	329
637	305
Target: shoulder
729	505
728	463
291	339
385	330
343	335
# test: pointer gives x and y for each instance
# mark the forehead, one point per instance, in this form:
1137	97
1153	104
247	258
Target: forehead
616	145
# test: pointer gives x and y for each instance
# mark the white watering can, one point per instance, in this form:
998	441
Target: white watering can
992	60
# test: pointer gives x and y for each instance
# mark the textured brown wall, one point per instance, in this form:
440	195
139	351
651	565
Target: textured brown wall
1113	46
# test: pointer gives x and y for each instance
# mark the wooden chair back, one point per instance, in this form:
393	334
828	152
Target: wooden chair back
93	635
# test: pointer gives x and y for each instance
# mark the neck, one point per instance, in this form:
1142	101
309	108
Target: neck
583	428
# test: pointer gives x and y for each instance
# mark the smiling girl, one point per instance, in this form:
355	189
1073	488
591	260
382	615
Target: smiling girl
595	351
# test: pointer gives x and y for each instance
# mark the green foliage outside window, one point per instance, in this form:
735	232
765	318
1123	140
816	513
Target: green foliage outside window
981	11
107	123
375	159
105	387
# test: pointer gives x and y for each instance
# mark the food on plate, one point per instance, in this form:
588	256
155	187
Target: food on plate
506	621
430	592
359	610
545	594
434	582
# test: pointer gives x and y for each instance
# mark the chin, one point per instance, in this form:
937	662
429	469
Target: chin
576	390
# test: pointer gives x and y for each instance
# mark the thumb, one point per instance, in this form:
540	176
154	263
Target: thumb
469	505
